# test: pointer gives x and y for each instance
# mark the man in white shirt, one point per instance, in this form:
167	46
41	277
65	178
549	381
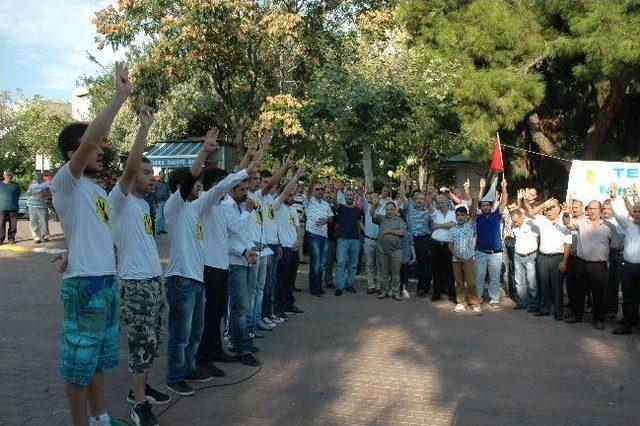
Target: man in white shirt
615	257
140	273
526	234
184	212
442	219
290	236
90	334
216	227
553	254
629	220
319	214
38	209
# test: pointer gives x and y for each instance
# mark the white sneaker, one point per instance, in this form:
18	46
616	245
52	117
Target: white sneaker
405	294
264	326
276	319
459	308
477	310
494	305
267	321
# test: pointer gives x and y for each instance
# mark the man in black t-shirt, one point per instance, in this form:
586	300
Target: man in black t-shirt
348	229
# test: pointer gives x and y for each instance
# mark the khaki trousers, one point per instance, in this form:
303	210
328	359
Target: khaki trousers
465	272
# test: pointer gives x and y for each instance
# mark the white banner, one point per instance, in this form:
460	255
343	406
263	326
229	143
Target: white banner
589	180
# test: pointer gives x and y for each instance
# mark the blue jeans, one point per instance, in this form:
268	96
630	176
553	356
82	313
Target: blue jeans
160	222
270	282
318	247
492	263
526	284
347	254
257	279
239	304
185	298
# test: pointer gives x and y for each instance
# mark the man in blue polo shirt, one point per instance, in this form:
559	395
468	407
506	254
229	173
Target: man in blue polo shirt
489	242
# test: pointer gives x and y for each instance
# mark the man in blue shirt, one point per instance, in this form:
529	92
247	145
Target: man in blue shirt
348	225
489	243
9	200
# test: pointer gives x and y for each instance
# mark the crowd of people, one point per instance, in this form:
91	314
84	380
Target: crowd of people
236	241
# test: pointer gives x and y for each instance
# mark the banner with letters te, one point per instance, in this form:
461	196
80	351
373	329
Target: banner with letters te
589	180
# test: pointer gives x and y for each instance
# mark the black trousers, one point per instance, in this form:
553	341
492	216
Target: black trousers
424	247
286	279
590	276
10	216
442	271
550	283
405	272
215	308
571	280
630	277
613	285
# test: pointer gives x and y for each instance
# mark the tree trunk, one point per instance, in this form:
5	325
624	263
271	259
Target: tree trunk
543	142
367	166
599	129
422	176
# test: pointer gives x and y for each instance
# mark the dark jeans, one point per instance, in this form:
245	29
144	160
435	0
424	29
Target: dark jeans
185	298
630	277
240	303
571	280
550	284
270	283
286	280
10	216
442	271
330	262
591	276
215	307
613	285
405	272
510	253
318	247
424	247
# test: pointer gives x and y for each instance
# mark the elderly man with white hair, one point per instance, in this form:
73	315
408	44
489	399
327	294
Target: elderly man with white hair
443	219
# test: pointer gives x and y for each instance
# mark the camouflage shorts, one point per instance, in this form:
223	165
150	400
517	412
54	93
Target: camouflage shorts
143	310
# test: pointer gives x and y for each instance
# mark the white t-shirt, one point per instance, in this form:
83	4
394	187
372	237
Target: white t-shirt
526	237
256	226
270	228
552	237
315	210
240	240
133	234
288	223
439	218
83	209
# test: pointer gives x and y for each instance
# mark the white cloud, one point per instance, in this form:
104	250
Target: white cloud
55	35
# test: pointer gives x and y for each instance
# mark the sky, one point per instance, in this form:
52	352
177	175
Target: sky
44	44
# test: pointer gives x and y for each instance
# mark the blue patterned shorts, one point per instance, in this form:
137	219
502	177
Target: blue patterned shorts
90	329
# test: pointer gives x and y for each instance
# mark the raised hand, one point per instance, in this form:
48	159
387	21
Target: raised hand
520	194
123	84
504	184
613	190
634	189
146	115
211	140
301	169
466	185
482	184
289	159
374	199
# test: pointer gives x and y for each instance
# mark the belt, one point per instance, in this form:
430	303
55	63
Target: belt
527	254
551	254
590	261
369	238
490	251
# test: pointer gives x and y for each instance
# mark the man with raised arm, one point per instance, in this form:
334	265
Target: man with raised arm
90	333
140	273
184	211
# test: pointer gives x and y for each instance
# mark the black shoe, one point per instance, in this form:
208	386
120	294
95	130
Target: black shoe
212	370
329	285
249	359
222	356
257	335
154	397
599	325
142	415
284	316
199	376
541	314
253	349
180	387
572	320
422	295
519	308
297	311
322	291
296	289
338	292
622	330
350	289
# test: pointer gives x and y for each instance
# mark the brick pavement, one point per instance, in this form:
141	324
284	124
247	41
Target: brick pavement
348	360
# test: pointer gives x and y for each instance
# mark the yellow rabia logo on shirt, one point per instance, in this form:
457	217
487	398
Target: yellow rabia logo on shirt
257	213
148	226
102	208
198	229
292	220
590	175
272	211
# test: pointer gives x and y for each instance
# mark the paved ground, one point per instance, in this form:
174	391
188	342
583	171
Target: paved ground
348	360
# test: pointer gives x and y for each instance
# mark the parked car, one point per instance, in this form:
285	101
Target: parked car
23	211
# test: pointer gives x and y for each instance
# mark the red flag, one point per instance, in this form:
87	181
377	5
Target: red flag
496	158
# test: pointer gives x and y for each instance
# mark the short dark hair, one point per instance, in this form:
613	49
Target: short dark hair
69	138
462	209
212	177
178	177
265	173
